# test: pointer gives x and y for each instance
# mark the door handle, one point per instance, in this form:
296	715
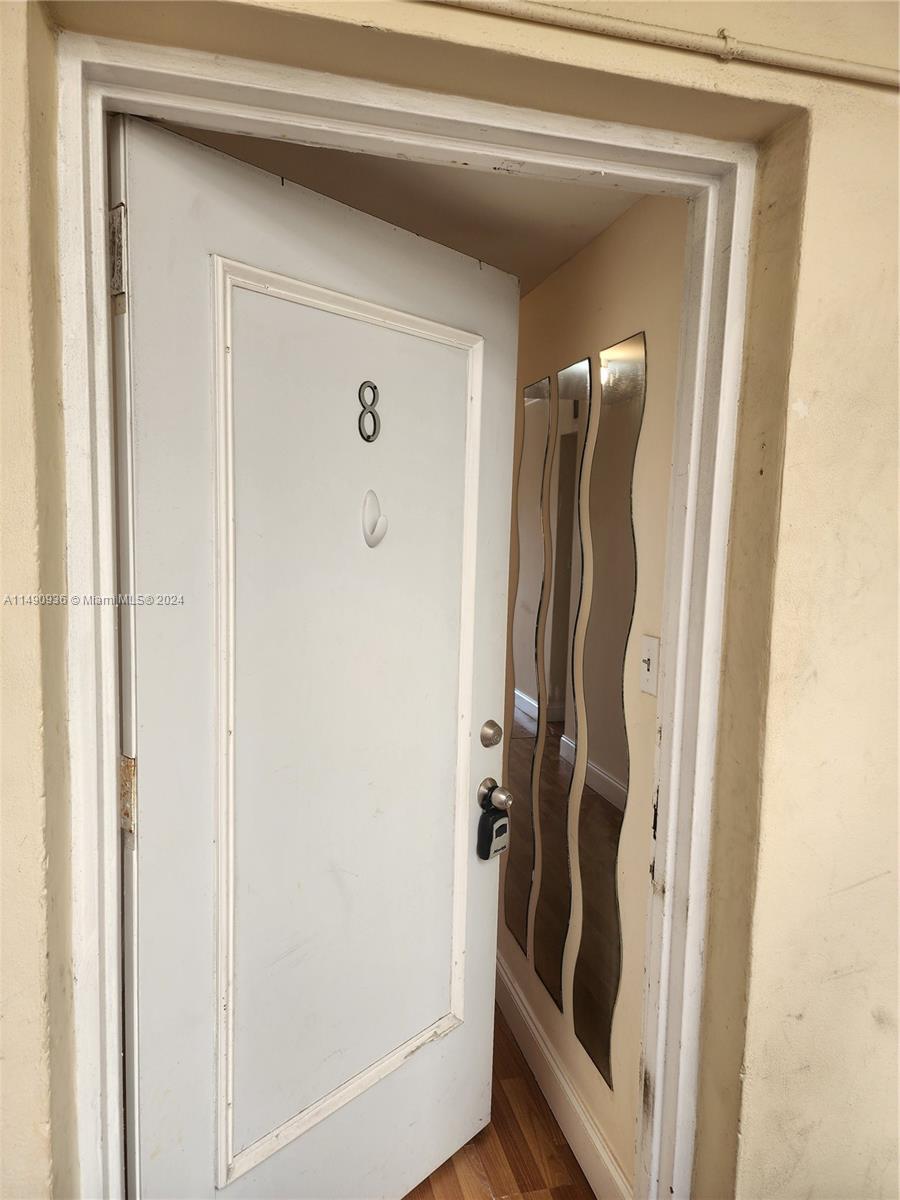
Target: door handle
493	825
491	794
501	798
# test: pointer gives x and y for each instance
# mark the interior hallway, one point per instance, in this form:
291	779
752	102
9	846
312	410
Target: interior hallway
522	1153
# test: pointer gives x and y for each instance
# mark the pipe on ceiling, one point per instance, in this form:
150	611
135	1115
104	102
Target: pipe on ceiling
721	46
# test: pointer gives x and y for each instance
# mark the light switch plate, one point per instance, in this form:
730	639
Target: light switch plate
649	665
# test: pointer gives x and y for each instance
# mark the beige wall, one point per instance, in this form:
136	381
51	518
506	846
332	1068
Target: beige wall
806	782
629	279
25	1083
820	1064
754	536
863	31
35	1032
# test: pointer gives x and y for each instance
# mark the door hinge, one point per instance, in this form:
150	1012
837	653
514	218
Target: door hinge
116	234
127	793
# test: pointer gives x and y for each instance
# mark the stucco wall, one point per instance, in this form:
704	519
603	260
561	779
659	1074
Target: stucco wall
818	1109
33	924
753	542
820	1098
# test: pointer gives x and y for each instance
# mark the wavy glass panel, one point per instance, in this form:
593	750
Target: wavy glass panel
554	901
530	529
609	585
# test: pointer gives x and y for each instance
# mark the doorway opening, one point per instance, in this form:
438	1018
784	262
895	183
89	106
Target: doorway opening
590	495
712	191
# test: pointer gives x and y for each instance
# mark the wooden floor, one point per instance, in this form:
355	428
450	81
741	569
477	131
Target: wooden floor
522	1153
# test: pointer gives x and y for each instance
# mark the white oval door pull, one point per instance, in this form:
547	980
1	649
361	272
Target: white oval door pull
374	522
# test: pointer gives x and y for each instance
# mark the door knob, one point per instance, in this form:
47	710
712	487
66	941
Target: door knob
493	824
501	798
492	795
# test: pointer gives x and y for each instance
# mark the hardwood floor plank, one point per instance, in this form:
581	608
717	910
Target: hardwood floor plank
537	1126
422	1192
522	1154
508	1061
471	1172
445	1184
576	1175
515	1143
501	1179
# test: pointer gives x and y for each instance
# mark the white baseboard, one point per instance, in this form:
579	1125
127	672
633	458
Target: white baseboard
528	704
582	1132
612	789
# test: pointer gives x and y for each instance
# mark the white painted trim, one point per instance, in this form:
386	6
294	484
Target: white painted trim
224	525
584	1135
92	699
604	784
250	1157
97	77
269	283
122	389
690	818
229	275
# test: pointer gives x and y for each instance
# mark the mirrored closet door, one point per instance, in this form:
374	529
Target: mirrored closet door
569	755
529	552
552	884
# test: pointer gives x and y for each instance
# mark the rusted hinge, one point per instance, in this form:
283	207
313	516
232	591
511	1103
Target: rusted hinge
116	235
127	793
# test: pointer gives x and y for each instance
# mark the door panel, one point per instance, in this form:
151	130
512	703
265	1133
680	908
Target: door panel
315	951
364	849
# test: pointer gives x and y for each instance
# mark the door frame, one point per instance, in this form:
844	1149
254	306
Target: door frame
98	77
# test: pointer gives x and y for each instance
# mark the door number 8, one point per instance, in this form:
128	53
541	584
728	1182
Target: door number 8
369	420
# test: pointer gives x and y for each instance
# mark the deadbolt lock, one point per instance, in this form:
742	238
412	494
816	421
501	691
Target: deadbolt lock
491	734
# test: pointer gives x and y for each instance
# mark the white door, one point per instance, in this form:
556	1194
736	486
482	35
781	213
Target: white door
311	943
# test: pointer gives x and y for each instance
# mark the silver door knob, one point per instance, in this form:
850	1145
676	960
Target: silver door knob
501	798
490	794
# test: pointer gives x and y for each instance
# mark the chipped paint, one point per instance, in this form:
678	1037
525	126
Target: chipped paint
127	793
